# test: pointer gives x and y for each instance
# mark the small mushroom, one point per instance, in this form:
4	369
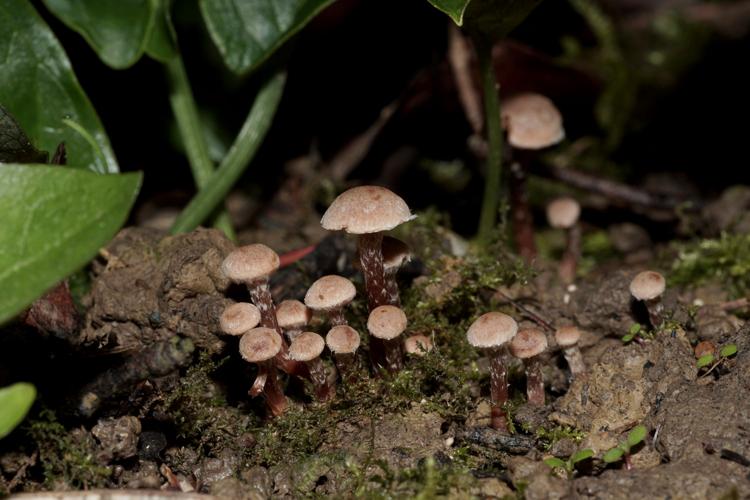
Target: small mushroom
491	333
343	342
307	348
292	317
563	213
567	337
331	294
239	318
261	345
387	323
418	345
648	286
527	345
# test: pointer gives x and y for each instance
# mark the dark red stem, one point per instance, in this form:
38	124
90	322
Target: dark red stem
523	224
498	390
336	317
534	382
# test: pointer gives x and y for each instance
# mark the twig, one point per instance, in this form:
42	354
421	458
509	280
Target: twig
735	304
531	314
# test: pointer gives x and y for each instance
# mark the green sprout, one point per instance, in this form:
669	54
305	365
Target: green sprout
622	450
710	362
636	333
569	465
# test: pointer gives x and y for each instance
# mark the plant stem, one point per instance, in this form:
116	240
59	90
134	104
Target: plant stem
491	198
188	122
243	149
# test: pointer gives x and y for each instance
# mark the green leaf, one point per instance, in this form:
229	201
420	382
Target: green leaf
15	146
494	19
705	360
628	337
54	220
637	435
635	329
454	8
38	87
15	401
728	350
248	32
581	455
555	462
116	29
613	455
161	43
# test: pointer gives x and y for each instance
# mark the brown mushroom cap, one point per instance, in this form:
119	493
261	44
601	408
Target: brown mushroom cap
366	209
342	339
306	346
567	336
418	345
395	252
249	263
647	285
239	318
386	322
260	344
532	121
563	213
292	314
492	329
528	343
330	292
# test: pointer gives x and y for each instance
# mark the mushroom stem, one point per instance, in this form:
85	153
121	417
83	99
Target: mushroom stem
323	390
292	333
346	364
393	357
371	260
534	381
498	390
394	298
569	261
267	383
336	317
575	361
523	224
655	310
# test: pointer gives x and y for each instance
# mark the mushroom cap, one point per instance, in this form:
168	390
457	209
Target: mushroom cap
647	285
386	322
260	344
563	212
306	346
330	292
239	318
419	345
342	339
528	343
249	263
366	209
491	329
395	253
292	314
532	121
567	336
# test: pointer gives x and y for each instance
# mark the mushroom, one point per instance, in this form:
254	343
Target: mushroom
491	333
367	211
239	318
418	345
648	286
527	345
307	348
563	213
532	122
567	337
331	294
292	317
261	345
343	342
387	323
396	253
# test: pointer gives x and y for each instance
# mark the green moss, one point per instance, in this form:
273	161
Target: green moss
548	437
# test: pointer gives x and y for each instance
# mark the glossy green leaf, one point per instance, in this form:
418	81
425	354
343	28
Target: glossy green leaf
555	462
54	220
116	29
728	350
454	8
705	360
15	146
581	455
613	455
15	401
161	41
637	435
247	32
38	87
494	19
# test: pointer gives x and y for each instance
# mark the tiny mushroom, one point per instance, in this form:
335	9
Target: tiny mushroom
261	346
527	345
387	323
331	294
343	342
239	318
418	345
648	286
563	213
567	337
491	332
292	316
307	348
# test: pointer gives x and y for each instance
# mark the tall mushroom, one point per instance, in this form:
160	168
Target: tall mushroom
330	294
491	333
387	323
567	337
343	342
292	317
648	286
260	346
307	348
532	122
563	213
239	318
527	345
